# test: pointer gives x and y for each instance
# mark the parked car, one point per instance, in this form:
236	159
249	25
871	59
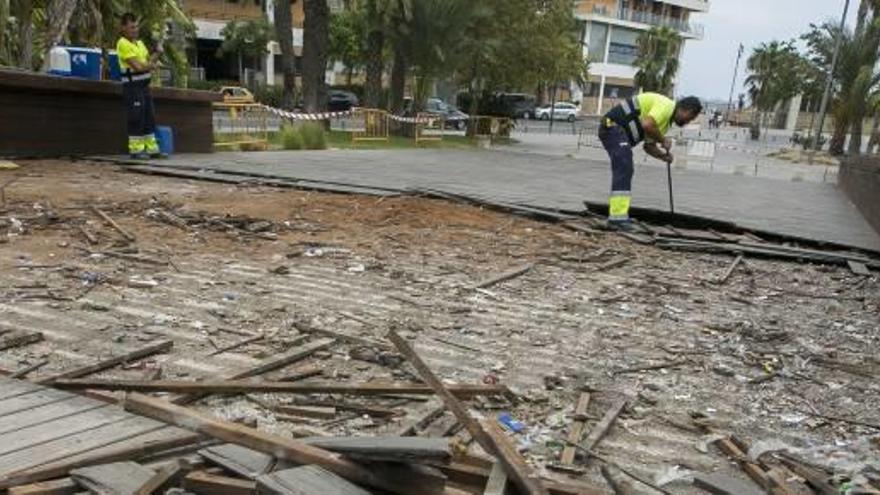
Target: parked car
560	111
236	94
511	105
454	117
341	101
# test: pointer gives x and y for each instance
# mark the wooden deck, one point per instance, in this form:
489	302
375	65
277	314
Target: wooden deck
42	428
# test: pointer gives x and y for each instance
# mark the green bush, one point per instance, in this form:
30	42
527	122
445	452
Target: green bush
313	136
269	95
291	138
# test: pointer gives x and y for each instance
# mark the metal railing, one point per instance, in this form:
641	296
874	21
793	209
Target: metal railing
652	19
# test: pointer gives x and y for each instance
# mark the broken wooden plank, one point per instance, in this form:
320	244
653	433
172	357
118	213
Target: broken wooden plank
202	483
521	474
240	343
245	462
602	427
308	411
116	478
18	338
253	386
513	462
163	346
755	472
341	336
858	268
650	367
90	237
268	365
577	429
504	276
497	484
721	484
306	480
376	412
280	447
730	269
128	236
164	477
415	425
401	449
300	374
64	486
817	480
28	369
616	481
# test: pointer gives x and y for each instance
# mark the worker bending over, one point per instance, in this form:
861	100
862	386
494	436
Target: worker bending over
136	64
646	117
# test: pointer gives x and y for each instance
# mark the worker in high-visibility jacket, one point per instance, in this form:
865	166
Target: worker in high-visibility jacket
136	64
643	118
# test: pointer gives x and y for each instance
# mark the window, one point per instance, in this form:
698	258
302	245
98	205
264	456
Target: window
596	42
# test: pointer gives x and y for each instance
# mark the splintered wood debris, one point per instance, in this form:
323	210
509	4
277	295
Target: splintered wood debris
568	360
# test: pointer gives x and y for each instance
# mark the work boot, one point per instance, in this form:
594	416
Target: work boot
158	155
142	155
623	226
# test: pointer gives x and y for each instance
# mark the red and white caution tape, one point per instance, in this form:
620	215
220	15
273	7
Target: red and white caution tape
414	120
307	116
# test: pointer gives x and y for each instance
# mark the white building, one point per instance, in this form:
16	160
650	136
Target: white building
610	31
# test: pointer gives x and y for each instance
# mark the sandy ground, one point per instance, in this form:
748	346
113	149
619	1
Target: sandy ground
772	354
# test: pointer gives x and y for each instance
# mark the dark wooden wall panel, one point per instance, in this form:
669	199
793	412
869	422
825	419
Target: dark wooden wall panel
860	180
42	115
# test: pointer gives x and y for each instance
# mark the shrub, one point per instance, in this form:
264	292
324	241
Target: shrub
291	138
313	136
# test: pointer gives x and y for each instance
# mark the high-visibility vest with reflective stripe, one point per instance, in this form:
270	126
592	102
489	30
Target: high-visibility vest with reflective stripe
627	115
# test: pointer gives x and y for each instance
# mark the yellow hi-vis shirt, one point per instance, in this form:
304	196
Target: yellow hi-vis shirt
126	50
658	107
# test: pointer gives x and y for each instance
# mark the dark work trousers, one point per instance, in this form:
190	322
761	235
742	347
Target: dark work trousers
140	116
619	149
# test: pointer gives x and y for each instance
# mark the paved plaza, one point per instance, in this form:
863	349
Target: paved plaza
811	210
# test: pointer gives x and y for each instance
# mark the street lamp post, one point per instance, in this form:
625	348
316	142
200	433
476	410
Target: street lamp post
829	82
739	55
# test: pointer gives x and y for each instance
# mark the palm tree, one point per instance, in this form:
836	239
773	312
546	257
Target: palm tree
246	39
657	60
776	74
284	34
377	20
316	40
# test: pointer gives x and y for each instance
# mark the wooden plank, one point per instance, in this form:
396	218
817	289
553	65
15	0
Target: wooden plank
300	374
858	268
34	435
577	429
64	486
510	458
18	338
415	425
306	480
308	411
497	484
818	480
280	447
602	427
240	343
104	364
202	483
253	386
118	478
516	469
245	462
755	472
721	484
163	478
31	400
730	269
402	449
104	216
504	276
90	237
132	447
268	365
476	476
23	372
41	414
10	387
71	445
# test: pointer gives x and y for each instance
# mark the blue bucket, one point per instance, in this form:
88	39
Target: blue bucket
165	138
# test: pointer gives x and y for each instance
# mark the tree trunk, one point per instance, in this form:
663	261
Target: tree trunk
180	75
838	139
26	57
375	68
59	14
316	37
875	134
855	138
398	81
284	35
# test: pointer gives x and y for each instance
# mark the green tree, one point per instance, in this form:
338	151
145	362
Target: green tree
246	40
347	40
657	60
776	72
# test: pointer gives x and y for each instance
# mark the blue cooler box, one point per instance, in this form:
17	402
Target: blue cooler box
113	61
85	62
165	138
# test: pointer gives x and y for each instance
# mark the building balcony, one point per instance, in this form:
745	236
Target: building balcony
645	19
223	10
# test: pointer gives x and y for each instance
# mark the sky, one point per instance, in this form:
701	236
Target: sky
707	65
